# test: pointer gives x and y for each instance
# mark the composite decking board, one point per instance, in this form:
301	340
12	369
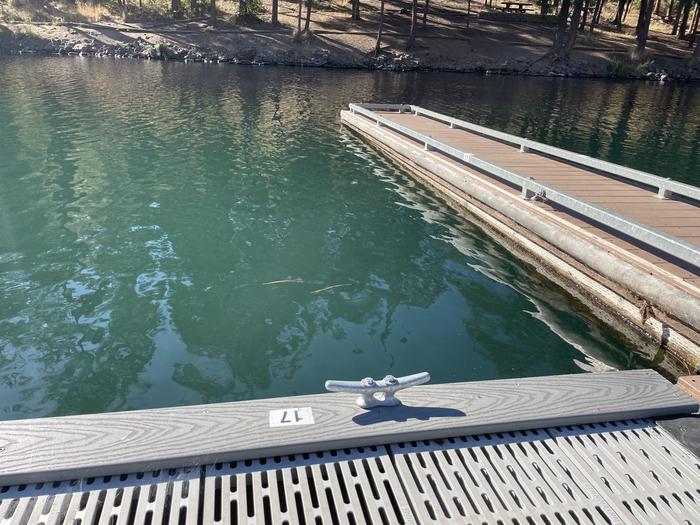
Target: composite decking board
611	200
626	209
654	222
682	274
558	173
568	186
70	447
606	190
671	221
592	183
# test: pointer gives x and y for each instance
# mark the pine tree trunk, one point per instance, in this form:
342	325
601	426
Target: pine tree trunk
378	45
677	20
298	35
600	12
307	24
657	11
425	13
274	19
414	18
596	14
586	5
694	27
619	14
627	10
565	37
560	34
645	17
669	13
355	9
695	60
684	20
573	29
212	11
642	16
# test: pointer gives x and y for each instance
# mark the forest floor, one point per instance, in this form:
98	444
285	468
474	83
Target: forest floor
483	40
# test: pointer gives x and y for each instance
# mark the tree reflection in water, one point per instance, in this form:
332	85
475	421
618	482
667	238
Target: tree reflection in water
144	205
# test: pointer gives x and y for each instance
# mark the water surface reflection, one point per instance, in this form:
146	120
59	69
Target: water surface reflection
144	206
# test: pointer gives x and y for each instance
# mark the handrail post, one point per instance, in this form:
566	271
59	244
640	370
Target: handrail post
527	193
664	193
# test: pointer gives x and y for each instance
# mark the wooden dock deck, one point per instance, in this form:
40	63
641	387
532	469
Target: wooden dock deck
583	448
671	216
635	235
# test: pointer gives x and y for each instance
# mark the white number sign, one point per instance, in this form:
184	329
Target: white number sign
291	416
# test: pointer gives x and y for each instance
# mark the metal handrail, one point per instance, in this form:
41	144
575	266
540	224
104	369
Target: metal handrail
665	186
530	188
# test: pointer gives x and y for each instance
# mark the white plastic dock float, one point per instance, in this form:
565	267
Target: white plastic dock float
585	448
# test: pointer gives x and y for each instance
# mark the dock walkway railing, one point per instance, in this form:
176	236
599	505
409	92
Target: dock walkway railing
668	244
665	186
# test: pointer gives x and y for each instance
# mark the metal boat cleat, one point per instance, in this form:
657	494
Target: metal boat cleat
379	393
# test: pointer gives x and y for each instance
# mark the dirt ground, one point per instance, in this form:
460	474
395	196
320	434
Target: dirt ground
454	39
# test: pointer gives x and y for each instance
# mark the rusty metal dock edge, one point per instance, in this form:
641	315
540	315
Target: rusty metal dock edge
612	301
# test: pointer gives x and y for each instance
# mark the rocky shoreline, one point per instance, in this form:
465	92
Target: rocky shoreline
312	54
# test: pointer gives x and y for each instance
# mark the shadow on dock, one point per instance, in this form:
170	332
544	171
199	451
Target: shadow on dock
404	413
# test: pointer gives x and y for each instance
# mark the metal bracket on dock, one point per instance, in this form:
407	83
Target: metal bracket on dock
378	393
664	192
530	190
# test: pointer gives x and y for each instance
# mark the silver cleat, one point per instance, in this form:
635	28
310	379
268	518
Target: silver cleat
378	393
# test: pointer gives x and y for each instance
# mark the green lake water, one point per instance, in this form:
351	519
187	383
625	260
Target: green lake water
145	205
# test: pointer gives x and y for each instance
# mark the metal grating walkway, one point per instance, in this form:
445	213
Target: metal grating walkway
341	486
624	472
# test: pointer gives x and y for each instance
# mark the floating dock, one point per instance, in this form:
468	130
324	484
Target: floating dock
615	447
628	241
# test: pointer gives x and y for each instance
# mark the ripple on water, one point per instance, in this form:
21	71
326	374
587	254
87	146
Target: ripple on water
146	209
